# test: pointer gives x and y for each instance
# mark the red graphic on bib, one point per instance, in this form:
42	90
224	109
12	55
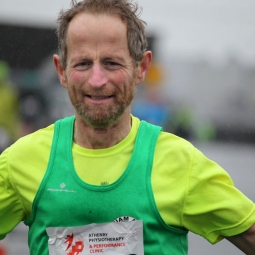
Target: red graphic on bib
69	240
76	248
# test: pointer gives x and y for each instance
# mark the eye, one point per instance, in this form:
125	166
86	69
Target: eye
112	65
83	65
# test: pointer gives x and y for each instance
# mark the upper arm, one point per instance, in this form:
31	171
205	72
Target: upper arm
214	207
11	210
245	241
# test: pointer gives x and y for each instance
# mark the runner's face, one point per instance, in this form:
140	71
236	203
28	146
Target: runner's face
100	73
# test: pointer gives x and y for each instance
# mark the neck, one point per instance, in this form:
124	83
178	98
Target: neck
94	138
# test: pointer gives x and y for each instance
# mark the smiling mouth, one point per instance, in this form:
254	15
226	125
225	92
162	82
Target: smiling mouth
98	97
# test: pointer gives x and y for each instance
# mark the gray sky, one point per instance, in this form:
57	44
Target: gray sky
213	29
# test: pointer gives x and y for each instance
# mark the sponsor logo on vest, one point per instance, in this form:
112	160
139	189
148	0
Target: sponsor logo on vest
62	185
124	218
61	189
73	248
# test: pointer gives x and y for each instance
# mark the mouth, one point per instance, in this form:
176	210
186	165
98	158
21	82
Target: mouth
98	97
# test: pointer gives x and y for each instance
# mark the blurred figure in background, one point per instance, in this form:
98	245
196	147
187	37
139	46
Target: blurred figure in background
151	107
150	104
9	108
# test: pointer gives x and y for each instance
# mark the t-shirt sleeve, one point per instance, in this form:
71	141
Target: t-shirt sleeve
214	208
11	209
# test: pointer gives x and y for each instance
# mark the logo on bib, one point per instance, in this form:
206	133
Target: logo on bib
74	247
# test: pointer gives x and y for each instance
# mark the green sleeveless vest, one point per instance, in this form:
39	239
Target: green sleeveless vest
64	200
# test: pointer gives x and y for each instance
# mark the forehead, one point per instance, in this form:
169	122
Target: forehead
97	26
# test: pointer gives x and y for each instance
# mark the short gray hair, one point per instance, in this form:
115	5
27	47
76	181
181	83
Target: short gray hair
128	12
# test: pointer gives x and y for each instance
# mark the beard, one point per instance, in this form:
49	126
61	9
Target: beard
103	116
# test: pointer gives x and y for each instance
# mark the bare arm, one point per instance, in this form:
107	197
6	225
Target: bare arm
245	241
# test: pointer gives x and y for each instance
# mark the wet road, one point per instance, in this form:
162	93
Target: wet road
237	159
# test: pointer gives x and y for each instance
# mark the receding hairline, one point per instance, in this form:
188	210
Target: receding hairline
130	16
109	14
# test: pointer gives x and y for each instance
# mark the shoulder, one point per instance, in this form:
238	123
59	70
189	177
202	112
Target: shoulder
32	144
179	158
181	153
38	137
173	161
176	147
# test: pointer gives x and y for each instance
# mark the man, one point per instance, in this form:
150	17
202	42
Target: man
102	181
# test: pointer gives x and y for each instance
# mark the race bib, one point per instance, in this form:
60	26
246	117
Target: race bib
115	238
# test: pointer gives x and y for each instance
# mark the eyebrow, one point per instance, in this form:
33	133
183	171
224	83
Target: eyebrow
104	58
115	58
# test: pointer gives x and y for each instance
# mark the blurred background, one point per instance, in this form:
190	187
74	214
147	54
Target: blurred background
201	85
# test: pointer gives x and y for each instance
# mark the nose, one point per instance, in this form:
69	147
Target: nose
97	77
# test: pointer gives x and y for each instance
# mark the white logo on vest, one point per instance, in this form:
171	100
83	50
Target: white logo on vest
62	185
62	189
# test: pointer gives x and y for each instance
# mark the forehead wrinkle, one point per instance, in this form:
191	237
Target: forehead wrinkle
88	50
90	23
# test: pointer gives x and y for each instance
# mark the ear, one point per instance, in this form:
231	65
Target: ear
60	70
143	67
